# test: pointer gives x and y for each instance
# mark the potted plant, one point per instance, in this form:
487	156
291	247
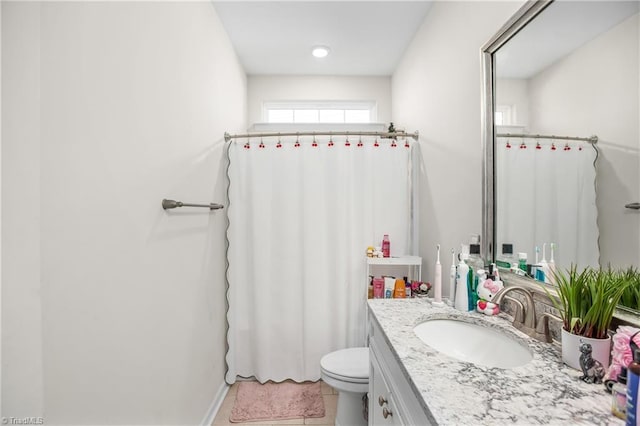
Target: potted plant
586	301
631	296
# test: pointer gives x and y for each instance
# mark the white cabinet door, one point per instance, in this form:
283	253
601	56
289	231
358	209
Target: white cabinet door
382	408
387	380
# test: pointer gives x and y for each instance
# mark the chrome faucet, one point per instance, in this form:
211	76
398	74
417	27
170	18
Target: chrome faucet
528	325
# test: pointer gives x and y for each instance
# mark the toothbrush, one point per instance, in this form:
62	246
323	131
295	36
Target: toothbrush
452	278
544	265
437	281
552	265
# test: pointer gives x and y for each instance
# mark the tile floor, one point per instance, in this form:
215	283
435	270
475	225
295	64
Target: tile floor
329	395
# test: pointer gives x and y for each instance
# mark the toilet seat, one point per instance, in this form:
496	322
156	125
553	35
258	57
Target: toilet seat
346	379
348	365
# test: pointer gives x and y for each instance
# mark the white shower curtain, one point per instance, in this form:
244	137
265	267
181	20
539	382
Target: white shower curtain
300	220
547	196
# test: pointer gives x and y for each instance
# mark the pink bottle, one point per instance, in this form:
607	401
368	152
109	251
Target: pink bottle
378	288
386	246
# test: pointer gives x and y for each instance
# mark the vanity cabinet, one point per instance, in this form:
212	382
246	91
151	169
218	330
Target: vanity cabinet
392	400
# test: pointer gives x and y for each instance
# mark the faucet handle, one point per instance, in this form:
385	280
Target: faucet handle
542	327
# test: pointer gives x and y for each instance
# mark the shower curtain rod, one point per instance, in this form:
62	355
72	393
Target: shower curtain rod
591	139
385	135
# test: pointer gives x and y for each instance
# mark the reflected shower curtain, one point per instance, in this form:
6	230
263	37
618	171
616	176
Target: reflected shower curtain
301	215
546	195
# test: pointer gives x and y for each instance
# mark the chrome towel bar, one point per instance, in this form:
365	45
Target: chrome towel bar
171	204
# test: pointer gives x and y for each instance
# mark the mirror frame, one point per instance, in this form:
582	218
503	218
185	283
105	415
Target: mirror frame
519	20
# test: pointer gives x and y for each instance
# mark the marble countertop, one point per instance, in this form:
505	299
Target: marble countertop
452	392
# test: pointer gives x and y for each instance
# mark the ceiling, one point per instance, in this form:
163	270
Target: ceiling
559	29
366	38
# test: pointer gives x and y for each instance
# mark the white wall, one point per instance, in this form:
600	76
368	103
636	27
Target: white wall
515	93
324	88
22	370
594	92
436	90
112	309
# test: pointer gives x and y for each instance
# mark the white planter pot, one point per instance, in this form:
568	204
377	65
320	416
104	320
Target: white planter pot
571	349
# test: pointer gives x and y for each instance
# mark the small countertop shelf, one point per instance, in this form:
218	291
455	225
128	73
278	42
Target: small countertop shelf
400	261
543	391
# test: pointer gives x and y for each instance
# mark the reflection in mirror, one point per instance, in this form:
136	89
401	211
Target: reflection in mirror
568	69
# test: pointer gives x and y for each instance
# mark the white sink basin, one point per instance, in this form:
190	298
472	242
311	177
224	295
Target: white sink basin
473	343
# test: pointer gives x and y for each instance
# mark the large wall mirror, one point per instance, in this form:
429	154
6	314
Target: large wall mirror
562	135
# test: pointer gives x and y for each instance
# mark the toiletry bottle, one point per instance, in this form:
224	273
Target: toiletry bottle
452	279
475	264
633	378
522	261
386	246
619	395
370	290
407	288
378	288
389	286
399	291
462	289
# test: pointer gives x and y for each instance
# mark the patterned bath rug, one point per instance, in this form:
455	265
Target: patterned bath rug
277	401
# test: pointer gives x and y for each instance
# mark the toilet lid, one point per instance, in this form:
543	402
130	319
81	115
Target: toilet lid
352	362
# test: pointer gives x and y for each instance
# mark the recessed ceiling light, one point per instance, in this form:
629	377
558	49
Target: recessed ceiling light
320	51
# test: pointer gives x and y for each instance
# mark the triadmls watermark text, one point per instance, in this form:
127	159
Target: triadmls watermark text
22	420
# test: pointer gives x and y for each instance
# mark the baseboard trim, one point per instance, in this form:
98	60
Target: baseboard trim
215	405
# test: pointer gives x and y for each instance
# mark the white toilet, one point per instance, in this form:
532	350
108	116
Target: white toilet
347	371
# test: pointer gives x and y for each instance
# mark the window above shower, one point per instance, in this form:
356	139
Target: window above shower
319	112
